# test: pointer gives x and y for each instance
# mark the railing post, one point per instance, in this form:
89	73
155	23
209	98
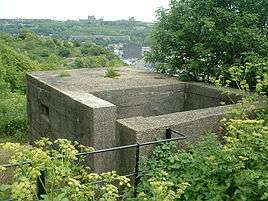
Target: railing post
168	133
136	181
41	184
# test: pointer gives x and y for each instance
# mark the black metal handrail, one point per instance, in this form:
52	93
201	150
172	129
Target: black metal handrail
168	138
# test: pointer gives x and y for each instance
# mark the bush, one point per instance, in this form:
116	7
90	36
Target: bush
64	73
97	61
52	62
14	66
65	179
91	49
90	62
13	117
233	170
64	52
115	63
111	73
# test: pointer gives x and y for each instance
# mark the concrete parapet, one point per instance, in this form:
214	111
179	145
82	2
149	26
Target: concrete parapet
143	129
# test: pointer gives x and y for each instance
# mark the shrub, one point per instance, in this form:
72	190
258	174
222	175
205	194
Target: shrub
51	63
13	117
233	170
65	179
115	63
14	66
64	52
13	122
111	73
64	73
97	61
90	62
91	49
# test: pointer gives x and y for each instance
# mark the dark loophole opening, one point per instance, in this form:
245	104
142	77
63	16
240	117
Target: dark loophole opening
44	111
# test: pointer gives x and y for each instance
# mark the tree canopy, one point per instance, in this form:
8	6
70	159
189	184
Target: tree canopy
200	39
13	67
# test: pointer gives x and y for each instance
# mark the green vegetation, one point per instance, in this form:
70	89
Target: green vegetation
111	73
230	165
204	39
13	67
64	73
100	32
66	180
49	53
97	61
29	52
96	56
235	169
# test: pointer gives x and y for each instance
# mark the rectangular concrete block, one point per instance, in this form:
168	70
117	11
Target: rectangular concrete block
103	112
191	123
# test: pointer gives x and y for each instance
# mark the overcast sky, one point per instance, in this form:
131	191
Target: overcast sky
143	10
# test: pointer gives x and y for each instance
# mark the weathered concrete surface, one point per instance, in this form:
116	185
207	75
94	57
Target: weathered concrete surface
200	95
93	80
86	106
73	115
192	123
146	101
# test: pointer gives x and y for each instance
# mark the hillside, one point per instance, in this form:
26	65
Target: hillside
98	31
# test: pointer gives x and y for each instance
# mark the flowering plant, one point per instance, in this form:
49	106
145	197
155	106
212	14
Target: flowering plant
65	180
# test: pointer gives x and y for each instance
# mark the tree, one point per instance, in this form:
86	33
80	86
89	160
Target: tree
204	38
15	65
52	62
64	52
91	49
91	62
27	34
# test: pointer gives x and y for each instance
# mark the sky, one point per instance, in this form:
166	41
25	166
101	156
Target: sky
142	10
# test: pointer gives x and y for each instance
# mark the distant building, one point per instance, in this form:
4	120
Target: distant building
91	18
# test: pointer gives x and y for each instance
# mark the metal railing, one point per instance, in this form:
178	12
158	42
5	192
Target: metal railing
41	180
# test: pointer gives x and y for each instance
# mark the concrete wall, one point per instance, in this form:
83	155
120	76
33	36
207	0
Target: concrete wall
199	95
139	129
72	115
202	114
159	100
146	101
